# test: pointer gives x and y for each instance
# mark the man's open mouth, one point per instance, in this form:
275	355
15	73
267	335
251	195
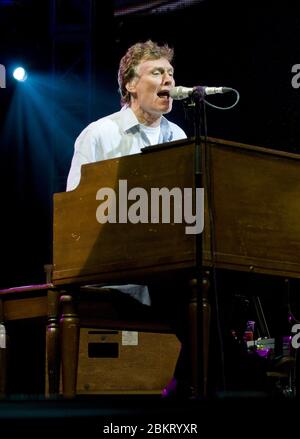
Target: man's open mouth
163	94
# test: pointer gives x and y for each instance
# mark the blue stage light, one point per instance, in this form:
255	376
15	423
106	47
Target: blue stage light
20	74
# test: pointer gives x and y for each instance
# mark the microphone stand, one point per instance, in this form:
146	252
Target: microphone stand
199	292
197	105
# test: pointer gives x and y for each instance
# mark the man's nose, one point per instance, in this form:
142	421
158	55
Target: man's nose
168	79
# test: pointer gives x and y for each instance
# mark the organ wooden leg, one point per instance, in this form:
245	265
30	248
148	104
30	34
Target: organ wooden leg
53	343
69	327
3	353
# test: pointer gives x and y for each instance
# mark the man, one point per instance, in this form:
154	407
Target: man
145	78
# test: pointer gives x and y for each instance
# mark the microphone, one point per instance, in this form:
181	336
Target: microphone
179	93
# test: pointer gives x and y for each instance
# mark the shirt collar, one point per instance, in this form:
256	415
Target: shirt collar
129	121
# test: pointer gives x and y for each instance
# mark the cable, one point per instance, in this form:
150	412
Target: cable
225	108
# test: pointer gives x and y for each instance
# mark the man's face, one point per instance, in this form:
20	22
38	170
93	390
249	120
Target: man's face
150	88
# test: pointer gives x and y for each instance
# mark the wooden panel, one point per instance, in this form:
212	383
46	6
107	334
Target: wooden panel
145	367
15	309
83	247
255	195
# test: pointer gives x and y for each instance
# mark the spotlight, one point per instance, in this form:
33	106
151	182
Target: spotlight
20	74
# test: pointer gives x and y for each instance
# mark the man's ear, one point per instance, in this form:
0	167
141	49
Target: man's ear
131	86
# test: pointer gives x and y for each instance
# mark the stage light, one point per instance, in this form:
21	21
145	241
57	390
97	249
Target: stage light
20	74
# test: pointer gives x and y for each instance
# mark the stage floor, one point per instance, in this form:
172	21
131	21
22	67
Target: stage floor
119	416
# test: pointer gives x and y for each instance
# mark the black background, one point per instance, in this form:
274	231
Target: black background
246	46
